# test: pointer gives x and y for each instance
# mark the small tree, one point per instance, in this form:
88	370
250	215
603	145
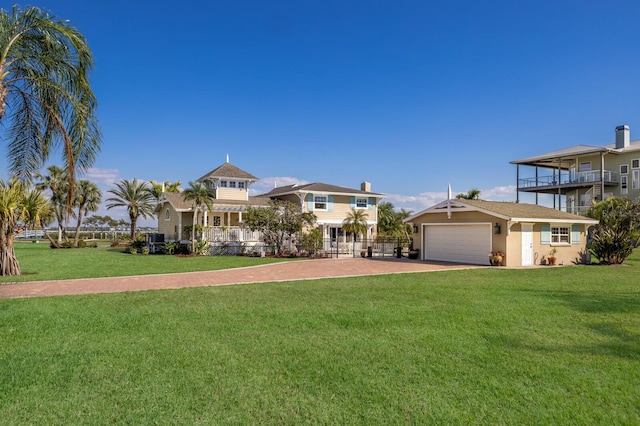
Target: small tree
616	235
355	222
311	240
17	203
278	222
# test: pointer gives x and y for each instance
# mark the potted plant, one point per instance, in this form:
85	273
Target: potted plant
552	256
496	258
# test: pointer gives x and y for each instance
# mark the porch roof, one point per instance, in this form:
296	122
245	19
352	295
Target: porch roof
177	201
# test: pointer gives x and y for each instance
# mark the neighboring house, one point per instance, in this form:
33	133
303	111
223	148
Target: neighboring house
223	223
466	231
577	175
331	204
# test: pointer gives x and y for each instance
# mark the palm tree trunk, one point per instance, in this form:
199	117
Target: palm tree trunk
193	230
133	227
8	262
76	238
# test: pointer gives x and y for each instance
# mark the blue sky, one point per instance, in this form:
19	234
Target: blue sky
409	95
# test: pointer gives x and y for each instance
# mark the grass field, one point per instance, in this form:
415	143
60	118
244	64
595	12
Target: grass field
489	346
39	262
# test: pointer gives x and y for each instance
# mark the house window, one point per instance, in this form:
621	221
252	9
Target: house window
216	221
320	202
623	185
585	167
635	180
559	235
635	164
223	184
241	185
232	184
167	214
624	169
361	203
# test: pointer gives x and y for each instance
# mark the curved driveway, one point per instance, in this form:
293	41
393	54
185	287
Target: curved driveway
273	272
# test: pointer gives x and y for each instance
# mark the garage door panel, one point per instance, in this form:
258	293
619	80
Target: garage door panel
458	243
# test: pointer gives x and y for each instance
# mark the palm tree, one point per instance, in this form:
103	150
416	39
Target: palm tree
57	182
46	100
355	222
37	211
472	194
157	188
201	195
136	197
17	203
88	199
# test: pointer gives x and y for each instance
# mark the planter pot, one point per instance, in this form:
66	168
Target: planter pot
551	260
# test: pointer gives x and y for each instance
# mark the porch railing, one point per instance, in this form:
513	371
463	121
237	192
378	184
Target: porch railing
231	233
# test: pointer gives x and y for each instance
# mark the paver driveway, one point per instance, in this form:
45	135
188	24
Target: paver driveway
285	271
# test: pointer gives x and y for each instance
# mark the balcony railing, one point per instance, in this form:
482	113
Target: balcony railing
568	179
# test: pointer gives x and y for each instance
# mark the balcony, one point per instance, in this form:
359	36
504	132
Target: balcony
231	233
567	181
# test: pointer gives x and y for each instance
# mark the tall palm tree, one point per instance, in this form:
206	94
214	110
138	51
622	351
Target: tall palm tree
46	100
57	182
17	202
355	222
136	196
88	199
201	195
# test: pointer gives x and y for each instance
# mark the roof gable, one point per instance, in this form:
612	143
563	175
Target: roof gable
228	170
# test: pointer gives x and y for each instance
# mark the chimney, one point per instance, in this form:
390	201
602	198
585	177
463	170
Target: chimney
622	137
365	186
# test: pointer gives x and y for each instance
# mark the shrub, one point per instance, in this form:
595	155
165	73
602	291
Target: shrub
145	250
202	247
616	234
82	244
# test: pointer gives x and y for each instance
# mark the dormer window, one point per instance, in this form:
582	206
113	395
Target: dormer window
224	184
232	184
240	185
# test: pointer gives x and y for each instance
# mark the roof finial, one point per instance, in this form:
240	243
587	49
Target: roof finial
227	158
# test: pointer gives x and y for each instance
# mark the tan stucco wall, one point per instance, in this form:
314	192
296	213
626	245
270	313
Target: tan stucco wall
167	227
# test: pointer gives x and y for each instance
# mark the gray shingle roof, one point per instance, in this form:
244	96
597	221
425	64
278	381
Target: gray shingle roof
317	187
228	170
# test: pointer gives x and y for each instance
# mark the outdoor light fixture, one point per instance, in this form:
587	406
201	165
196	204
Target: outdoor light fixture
415	229
496	228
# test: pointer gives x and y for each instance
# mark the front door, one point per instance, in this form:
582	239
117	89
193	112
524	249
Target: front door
527	245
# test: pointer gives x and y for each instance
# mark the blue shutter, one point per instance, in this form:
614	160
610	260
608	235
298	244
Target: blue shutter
575	234
545	234
353	202
330	203
310	202
370	204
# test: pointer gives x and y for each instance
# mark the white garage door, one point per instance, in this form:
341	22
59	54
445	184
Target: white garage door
464	243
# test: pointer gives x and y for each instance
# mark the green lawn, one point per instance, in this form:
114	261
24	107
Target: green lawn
39	262
489	346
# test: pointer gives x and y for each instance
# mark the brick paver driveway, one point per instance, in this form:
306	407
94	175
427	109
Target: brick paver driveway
285	271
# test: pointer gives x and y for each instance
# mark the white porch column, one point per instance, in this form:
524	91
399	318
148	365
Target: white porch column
204	219
179	236
240	217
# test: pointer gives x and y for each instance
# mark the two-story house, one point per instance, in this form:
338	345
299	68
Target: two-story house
331	204
580	174
230	184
